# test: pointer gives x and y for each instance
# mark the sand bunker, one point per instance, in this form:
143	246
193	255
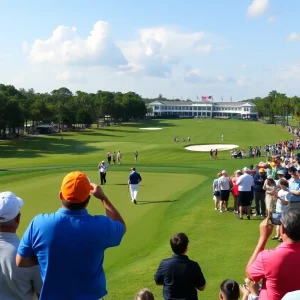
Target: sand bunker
206	148
151	128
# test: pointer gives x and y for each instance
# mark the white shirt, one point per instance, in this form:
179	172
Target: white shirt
279	206
16	283
103	168
224	183
245	182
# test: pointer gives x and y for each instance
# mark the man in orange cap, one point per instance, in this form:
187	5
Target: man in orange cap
69	244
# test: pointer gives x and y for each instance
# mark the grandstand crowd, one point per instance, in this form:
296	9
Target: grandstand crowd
61	254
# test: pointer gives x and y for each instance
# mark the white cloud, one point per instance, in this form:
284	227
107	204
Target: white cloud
271	20
294	37
244	81
289	72
244	66
69	76
157	50
196	76
257	8
65	46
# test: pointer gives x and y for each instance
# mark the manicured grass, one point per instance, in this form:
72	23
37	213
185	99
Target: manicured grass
175	195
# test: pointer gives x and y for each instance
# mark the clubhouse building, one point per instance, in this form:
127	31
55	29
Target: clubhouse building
190	109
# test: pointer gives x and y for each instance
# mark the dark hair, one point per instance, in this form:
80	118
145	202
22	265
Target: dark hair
179	243
133	169
284	182
230	289
292	169
290	220
144	294
75	206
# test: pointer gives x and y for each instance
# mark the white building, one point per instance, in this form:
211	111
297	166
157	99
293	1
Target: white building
244	110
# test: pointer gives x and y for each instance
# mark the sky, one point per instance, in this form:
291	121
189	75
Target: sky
227	49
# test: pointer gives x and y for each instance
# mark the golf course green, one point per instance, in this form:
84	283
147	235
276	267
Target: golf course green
175	194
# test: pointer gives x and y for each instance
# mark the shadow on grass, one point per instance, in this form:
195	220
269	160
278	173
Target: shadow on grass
155	202
38	146
126	184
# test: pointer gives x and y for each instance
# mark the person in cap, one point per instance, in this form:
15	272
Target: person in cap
245	184
133	184
103	170
280	174
69	244
15	283
259	192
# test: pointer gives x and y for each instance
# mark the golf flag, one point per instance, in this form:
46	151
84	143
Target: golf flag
207	98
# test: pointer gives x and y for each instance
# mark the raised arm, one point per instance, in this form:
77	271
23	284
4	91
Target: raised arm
111	211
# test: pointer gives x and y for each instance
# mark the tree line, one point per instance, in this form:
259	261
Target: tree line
277	107
61	106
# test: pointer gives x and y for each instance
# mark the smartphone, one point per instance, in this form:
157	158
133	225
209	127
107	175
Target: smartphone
275	218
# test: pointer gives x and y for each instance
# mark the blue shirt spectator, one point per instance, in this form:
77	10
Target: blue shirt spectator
259	180
70	245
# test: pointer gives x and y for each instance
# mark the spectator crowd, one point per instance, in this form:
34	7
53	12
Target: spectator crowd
61	254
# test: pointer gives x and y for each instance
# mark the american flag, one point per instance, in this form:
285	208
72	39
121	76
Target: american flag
206	98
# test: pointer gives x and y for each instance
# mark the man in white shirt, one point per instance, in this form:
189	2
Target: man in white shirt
245	196
224	187
15	283
103	169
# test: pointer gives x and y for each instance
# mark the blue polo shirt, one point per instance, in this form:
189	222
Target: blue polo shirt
69	245
180	277
135	177
294	185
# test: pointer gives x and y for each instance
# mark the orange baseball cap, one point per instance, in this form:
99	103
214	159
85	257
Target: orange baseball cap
76	187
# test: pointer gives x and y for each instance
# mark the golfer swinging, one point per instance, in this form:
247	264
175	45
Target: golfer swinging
133	184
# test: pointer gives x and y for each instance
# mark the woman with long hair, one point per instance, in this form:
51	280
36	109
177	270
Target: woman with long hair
270	188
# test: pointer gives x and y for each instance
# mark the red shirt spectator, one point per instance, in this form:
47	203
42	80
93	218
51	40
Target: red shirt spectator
279	269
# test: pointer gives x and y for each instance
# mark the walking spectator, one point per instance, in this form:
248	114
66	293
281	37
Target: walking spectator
180	276
114	157
229	290
108	155
224	187
216	191
15	283
259	192
119	157
235	190
279	269
245	183
270	188
69	244
144	294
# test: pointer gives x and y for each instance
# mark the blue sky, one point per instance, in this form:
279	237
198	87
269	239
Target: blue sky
233	48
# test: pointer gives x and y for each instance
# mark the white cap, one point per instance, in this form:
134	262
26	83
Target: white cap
9	206
292	296
103	162
246	169
224	172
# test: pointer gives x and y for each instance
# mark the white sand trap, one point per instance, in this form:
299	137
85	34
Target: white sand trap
206	148
151	128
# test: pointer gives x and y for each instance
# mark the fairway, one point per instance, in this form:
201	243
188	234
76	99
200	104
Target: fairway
175	194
